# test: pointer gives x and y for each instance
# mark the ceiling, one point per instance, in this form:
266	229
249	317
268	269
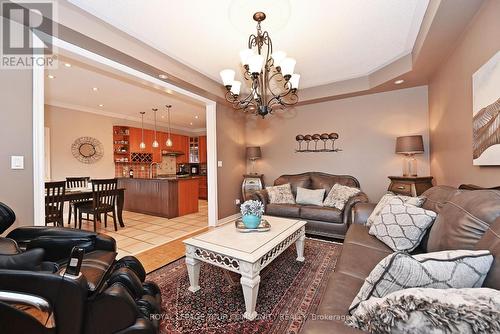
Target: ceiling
118	96
332	40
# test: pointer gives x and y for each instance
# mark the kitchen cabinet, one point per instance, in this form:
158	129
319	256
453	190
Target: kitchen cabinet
202	142
184	148
135	139
203	187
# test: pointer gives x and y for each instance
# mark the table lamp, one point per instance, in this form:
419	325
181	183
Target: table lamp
409	146
253	153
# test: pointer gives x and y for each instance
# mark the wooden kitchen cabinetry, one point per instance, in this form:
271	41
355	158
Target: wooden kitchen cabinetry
203	187
202	142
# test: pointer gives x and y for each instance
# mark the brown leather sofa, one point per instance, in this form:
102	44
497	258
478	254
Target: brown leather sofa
323	221
466	220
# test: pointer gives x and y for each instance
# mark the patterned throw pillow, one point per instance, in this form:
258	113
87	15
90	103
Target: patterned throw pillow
436	311
440	270
309	196
281	194
339	195
417	201
402	226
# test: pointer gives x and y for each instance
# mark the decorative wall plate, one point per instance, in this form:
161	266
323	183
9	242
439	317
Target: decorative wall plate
87	150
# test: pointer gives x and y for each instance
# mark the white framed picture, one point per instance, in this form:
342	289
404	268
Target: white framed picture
486	113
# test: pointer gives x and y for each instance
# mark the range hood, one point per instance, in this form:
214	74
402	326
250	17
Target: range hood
172	153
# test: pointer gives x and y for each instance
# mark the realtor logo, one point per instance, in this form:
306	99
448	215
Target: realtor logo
22	23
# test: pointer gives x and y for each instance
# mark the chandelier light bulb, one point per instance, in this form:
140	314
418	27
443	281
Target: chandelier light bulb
255	63
245	56
235	88
227	77
287	66
294	81
278	57
169	142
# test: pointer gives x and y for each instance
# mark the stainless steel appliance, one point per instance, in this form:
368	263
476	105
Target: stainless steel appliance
194	169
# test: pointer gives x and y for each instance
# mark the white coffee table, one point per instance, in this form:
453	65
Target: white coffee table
244	253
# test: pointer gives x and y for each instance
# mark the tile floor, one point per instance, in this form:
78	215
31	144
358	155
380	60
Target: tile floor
143	232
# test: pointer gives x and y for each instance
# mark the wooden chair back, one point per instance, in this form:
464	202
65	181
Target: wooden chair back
104	192
77	182
54	201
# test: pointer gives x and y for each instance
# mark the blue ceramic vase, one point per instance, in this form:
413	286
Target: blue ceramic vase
251	221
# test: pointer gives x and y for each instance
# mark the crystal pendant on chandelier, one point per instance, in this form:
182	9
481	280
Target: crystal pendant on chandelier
270	76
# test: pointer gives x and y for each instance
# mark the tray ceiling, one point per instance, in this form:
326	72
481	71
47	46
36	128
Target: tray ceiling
332	40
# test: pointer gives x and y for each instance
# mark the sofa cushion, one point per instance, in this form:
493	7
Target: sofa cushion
299	180
402	226
281	194
491	242
339	195
310	196
464	219
321	213
440	270
283	210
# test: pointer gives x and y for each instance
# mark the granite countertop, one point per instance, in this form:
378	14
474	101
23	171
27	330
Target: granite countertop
163	178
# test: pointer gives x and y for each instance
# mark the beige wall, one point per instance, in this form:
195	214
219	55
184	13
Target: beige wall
16	188
367	125
450	103
66	125
231	151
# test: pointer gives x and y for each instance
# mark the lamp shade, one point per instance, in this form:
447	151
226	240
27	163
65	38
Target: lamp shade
254	153
410	144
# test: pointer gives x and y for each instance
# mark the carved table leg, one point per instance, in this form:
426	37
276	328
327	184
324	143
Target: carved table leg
299	245
250	280
193	268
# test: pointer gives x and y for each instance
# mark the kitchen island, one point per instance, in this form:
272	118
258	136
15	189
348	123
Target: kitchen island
167	197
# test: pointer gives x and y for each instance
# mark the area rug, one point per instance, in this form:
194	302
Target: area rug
289	291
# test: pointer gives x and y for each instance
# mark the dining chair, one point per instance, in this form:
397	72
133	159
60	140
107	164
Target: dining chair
54	202
103	202
72	183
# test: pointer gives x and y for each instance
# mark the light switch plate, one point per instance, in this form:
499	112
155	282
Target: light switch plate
17	162
219	163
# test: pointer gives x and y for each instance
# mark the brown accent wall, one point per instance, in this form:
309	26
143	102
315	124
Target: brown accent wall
368	126
16	138
450	103
231	151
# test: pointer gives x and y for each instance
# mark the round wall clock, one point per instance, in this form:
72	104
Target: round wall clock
87	150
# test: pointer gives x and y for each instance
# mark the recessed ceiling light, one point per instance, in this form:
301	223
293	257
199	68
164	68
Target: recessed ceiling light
196	116
399	82
50	76
95	89
163	76
190	123
169	91
101	105
67	64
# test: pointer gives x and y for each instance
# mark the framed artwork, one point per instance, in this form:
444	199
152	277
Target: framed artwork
486	113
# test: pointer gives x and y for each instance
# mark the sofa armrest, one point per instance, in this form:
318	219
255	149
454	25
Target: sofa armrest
261	196
359	198
361	212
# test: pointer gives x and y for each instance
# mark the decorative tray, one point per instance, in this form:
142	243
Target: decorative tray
263	226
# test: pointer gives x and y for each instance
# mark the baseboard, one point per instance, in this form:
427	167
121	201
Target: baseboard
228	219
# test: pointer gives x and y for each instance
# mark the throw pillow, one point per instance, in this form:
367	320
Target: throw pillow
437	311
281	194
402	226
310	197
417	201
339	195
440	270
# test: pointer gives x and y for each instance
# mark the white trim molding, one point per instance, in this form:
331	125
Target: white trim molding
228	219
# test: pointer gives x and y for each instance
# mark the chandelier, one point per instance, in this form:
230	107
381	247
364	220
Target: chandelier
269	75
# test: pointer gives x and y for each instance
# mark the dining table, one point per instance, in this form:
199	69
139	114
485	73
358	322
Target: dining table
78	194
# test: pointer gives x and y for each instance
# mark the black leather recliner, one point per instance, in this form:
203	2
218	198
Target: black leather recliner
36	296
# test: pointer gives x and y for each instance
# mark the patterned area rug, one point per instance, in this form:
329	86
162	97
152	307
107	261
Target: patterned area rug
289	291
